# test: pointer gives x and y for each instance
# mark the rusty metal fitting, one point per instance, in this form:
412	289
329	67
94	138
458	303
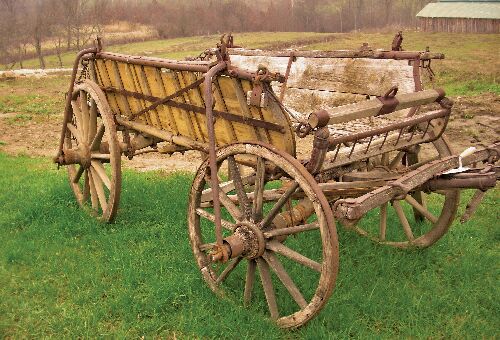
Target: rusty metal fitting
220	253
389	101
303	129
253	239
321	138
247	240
319	118
402	190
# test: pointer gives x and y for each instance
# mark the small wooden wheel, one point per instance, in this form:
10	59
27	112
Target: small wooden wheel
419	219
277	222
91	140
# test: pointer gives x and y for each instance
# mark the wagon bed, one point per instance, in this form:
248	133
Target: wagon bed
253	206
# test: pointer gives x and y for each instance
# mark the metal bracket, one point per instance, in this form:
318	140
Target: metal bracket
257	97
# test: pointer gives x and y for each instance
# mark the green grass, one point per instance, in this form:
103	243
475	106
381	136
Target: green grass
179	48
62	274
470	67
34	96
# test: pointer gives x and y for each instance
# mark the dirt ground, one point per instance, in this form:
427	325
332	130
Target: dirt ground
474	121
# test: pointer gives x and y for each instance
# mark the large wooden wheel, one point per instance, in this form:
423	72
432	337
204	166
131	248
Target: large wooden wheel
270	201
91	141
417	220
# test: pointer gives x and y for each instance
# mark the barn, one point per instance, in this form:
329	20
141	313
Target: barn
460	16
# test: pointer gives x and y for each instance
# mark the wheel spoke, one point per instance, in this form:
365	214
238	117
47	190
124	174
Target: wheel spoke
421	209
403	219
397	160
74	131
230	267
384	160
267	284
93	193
99	189
287	281
101	172
277	207
279	248
228	186
383	221
78	116
85	114
101	156
78	174
96	142
207	246
258	190
249	282
92	121
235	174
86	186
291	230
211	217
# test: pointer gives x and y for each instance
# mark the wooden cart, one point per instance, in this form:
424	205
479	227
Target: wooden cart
253	206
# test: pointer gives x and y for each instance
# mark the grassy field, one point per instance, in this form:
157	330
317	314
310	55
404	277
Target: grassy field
64	275
470	67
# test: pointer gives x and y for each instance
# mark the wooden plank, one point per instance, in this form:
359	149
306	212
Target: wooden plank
119	85
129	84
174	78
245	110
145	118
106	82
221	106
181	117
306	101
369	108
165	110
375	54
155	88
256	112
361	76
196	98
153	114
233	106
108	65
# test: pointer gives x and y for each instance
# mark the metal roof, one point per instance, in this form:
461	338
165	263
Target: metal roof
468	0
473	10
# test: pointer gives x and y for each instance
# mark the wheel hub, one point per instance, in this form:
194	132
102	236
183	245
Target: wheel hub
247	241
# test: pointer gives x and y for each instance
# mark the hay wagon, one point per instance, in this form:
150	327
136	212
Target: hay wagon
254	206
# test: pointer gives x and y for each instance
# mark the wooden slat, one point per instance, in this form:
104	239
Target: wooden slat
104	77
242	101
255	112
195	97
188	115
108	66
145	118
369	108
233	105
153	114
130	85
181	117
119	85
165	110
221	106
362	76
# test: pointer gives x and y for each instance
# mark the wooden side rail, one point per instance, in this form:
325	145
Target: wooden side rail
374	107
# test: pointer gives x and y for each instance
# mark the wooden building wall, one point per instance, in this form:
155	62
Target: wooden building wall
460	25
